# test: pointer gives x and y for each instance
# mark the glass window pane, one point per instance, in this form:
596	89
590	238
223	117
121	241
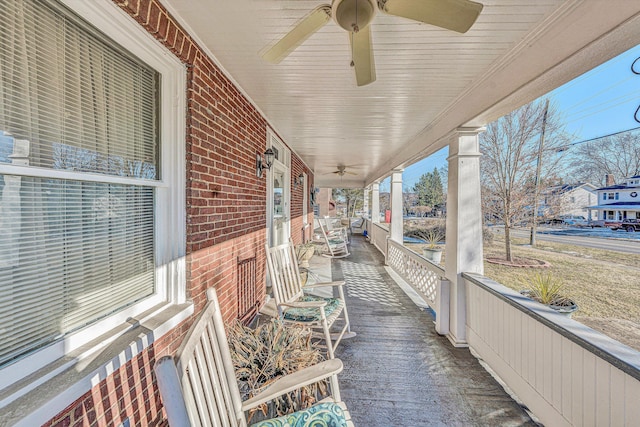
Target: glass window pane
82	103
70	253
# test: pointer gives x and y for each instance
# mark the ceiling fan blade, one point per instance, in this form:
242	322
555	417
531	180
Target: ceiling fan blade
455	15
311	23
362	52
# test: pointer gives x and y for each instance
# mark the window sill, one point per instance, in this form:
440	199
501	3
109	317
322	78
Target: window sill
42	395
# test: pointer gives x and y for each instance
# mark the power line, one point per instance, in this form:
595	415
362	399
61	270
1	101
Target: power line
581	118
603	136
603	105
598	70
595	95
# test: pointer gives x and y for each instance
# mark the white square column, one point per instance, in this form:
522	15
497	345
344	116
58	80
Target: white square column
463	250
375	202
397	210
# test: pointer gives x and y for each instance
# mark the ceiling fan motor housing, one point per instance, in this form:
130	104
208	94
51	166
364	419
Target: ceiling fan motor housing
353	15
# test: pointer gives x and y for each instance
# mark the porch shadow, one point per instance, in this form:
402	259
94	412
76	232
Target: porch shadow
398	370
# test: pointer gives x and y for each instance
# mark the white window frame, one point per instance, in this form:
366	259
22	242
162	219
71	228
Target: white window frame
305	200
168	306
284	164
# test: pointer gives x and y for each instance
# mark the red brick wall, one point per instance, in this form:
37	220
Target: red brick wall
216	266
128	393
226	215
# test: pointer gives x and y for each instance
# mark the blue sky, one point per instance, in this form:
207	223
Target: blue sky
600	102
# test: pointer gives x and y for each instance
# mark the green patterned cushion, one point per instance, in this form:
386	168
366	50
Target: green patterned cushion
311	314
320	415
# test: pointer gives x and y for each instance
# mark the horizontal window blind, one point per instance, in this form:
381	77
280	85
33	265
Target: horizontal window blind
83	104
72	252
76	252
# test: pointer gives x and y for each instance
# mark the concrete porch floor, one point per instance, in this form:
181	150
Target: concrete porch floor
398	370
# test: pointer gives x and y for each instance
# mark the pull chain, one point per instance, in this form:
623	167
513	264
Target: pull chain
355	30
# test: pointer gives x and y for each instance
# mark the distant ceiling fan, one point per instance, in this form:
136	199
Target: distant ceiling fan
342	171
355	17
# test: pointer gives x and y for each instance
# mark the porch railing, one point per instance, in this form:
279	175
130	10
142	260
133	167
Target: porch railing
425	277
565	372
378	234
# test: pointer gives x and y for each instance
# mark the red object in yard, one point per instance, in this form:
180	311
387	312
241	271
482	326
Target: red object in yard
387	216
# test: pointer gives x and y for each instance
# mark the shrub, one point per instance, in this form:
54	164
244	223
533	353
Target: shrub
431	232
487	235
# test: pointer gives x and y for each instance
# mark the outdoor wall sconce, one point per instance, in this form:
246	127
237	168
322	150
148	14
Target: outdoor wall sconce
269	155
298	181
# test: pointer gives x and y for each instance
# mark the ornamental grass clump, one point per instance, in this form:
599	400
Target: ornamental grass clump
547	289
262	355
433	237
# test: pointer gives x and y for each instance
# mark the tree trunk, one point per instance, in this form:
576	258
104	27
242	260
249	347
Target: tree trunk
507	242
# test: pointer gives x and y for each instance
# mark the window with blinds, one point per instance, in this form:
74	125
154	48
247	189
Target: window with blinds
79	246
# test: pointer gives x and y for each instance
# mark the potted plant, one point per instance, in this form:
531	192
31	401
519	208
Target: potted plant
433	250
304	253
547	290
262	355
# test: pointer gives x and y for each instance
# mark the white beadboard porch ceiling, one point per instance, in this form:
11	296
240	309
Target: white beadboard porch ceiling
429	80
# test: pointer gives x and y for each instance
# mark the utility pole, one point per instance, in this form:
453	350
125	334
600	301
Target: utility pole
536	192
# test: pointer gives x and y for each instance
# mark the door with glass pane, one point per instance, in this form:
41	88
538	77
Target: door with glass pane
279	205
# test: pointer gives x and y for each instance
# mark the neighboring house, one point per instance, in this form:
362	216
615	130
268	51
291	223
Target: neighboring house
617	202
569	199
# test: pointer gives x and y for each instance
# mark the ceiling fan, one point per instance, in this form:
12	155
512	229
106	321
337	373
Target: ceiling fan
355	16
342	171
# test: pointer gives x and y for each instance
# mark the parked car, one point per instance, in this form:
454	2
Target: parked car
566	220
550	221
630	225
578	220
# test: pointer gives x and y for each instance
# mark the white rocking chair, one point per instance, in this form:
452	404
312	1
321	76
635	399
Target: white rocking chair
335	241
294	306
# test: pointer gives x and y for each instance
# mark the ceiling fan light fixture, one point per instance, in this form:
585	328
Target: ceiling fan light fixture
454	15
353	15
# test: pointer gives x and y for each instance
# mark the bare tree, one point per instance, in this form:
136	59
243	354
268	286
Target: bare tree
510	148
421	211
385	201
352	197
617	155
409	200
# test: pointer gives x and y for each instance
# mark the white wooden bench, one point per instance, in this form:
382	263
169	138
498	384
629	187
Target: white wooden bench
198	385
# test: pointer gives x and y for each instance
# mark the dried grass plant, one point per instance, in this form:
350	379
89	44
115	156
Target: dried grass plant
547	289
433	237
262	355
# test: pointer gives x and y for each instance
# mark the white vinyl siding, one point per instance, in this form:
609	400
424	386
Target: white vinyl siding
79	158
